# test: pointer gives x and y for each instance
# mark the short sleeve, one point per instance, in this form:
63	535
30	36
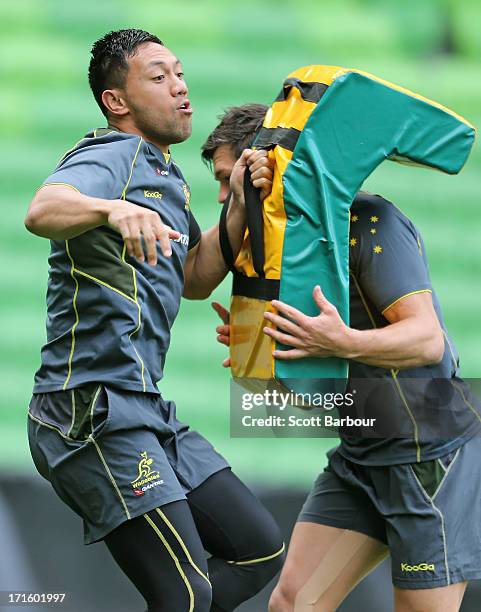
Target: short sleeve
386	253
194	231
99	169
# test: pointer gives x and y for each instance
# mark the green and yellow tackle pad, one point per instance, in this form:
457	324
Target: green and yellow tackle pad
328	130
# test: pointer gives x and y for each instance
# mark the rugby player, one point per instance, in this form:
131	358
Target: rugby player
125	246
414	498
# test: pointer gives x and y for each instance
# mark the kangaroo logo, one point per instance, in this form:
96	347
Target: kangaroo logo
145	473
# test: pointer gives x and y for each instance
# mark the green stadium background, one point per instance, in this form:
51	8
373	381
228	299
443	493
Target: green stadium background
233	53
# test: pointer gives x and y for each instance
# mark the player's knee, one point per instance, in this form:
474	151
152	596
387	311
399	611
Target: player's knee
283	598
269	565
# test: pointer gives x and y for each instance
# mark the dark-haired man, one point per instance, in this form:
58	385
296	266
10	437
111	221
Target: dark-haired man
124	247
397	496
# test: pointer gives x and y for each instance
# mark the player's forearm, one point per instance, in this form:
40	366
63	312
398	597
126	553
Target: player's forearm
401	345
208	269
61	213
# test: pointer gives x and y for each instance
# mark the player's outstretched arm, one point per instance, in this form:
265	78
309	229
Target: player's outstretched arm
412	338
59	212
205	267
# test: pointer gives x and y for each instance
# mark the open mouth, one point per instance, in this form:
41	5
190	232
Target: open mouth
185	108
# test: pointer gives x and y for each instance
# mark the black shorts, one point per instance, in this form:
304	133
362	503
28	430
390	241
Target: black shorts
428	513
112	454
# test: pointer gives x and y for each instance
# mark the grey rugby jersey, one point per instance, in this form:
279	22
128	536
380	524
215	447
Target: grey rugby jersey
108	315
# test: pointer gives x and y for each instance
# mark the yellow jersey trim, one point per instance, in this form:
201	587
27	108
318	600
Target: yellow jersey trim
134	274
62	184
124	191
100	282
451	352
139	320
77	319
405	296
468	404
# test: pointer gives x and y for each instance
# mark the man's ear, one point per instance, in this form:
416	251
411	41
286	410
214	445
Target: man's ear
114	102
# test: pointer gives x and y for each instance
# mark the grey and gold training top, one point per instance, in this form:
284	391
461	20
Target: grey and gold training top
418	413
108	315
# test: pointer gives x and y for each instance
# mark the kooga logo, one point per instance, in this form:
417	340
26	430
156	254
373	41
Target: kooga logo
422	567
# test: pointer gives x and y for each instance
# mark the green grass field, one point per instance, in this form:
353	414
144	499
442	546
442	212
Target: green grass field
232	55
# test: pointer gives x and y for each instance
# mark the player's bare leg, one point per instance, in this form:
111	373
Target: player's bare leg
323	565
446	598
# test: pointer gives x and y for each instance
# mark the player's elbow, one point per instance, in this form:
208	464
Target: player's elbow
33	219
197	293
434	348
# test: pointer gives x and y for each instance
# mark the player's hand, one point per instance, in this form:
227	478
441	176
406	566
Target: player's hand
261	168
325	335
223	331
135	223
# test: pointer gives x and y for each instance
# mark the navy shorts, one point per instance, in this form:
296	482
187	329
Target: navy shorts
428	513
112	455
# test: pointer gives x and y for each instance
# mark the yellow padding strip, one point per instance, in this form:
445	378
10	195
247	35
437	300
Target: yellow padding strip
328	74
112	479
276	554
181	542
74	326
176	561
405	296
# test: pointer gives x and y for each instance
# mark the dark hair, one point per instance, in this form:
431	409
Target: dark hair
108	65
237	127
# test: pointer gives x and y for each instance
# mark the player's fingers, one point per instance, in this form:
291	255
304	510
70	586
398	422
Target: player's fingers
283	338
291	354
226	363
260	166
262	182
257	158
164	241
173	234
265	192
221	311
150	244
289	311
283	323
265	185
123	228
223	329
224	340
136	241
